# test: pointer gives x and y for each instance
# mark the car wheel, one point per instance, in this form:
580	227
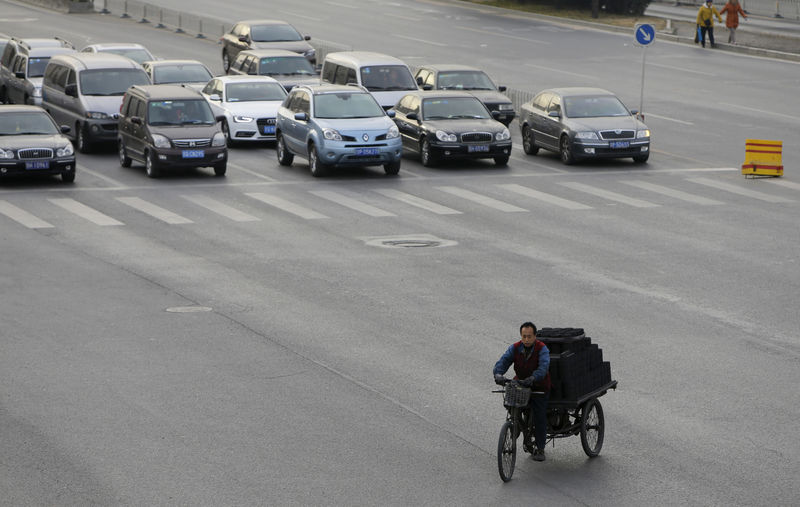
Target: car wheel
226	61
392	168
226	131
501	160
68	177
566	151
284	156
150	166
220	169
317	167
83	143
124	159
528	145
426	156
641	159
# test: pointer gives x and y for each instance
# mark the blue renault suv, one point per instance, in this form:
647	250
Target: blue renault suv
336	125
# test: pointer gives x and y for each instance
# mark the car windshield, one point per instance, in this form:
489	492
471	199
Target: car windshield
380	78
17	124
111	81
181	73
286	65
465	80
179	112
274	33
137	55
453	108
250	92
36	66
346	105
593	107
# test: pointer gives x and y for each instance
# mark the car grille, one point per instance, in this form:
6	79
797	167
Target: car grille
613	134
191	143
28	153
377	145
348	138
265	121
476	137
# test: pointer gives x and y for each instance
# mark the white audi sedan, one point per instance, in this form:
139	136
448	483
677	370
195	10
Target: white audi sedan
249	104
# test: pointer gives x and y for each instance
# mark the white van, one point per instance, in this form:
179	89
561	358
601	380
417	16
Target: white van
387	78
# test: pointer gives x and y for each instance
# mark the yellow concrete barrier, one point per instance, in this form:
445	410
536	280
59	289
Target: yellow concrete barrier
762	158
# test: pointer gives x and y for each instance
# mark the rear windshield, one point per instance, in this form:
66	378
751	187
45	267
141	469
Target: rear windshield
285	65
17	124
346	105
111	81
137	55
250	92
590	107
464	80
184	73
179	112
36	66
454	108
274	33
378	78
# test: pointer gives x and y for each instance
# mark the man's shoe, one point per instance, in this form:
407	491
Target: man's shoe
538	455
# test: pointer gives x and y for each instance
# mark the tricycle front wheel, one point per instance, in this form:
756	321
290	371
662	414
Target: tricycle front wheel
592	427
507	451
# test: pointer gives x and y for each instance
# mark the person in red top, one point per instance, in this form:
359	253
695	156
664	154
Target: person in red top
531	360
732	10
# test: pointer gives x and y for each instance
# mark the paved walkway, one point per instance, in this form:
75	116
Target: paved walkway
753	24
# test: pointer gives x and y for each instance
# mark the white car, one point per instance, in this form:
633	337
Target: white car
249	104
191	73
135	52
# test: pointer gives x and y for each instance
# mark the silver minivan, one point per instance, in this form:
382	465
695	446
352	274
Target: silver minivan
387	78
84	91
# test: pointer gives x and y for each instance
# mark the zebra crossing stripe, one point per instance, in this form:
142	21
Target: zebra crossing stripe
154	211
351	203
287	206
221	208
670	192
541	196
735	189
23	217
85	211
417	202
482	199
783	183
607	194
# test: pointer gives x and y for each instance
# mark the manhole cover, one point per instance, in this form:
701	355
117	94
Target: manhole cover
189	309
410	241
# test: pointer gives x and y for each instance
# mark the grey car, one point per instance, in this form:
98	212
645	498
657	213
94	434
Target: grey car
287	67
264	34
583	123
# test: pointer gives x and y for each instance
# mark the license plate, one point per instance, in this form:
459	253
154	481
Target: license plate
193	154
38	164
268	129
367	151
619	144
477	149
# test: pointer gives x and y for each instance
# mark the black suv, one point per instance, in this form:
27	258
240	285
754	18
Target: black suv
264	34
31	143
170	126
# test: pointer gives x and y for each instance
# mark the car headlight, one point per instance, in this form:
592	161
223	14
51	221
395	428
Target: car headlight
242	119
6	153
37	92
331	134
96	115
586	135
505	107
310	52
445	137
218	139
160	141
393	132
66	151
502	136
642	133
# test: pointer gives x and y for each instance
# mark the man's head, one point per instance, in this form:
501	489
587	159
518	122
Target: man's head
708	3
527	332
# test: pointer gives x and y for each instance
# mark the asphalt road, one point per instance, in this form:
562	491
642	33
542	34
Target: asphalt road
329	371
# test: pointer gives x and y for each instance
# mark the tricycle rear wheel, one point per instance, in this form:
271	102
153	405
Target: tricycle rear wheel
592	427
507	451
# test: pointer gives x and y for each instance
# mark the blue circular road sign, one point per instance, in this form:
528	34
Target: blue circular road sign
644	34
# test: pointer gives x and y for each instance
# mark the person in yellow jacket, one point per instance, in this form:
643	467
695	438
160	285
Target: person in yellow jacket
705	21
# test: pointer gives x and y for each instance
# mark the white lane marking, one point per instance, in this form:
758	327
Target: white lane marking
221	208
103	177
551	69
668	118
417	201
420	40
791	117
85	211
287	206
606	194
351	203
154	211
487	32
346	6
301	15
482	199
251	172
681	69
407	18
784	183
734	189
548	198
23	217
670	192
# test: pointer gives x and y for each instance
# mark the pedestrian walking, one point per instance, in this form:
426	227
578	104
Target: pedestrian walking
705	20
732	10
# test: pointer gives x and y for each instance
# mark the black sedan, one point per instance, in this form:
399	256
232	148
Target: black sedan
582	123
448	124
32	144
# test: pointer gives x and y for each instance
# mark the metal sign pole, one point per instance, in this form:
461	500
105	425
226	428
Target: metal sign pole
641	94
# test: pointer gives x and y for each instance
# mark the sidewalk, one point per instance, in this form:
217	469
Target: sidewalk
753	24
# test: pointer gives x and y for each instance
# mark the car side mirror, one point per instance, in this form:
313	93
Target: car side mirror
307	37
301	116
242	38
136	120
634	112
64	129
20	75
427	87
554	114
220	118
71	90
496	115
412	116
419	80
215	97
390	113
501	88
